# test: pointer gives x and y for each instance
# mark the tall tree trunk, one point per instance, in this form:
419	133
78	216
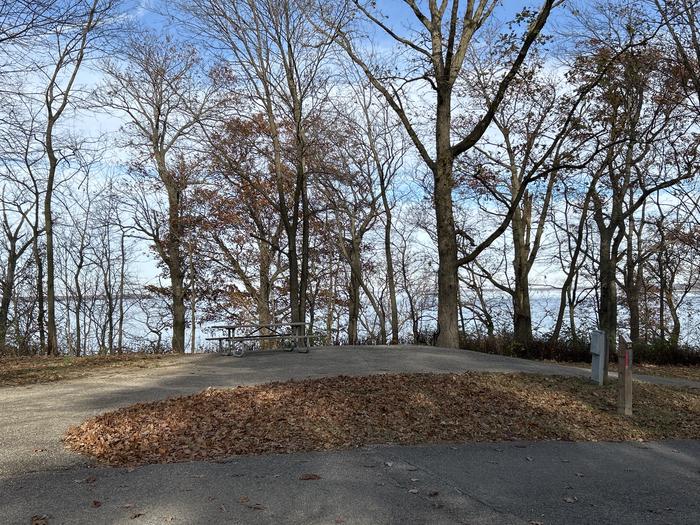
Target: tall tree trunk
41	313
608	294
78	311
522	315
52	337
293	275
411	302
520	228
175	267
330	314
633	274
300	204
109	298
571	304
573	268
633	306
7	288
391	278
448	284
673	310
662	293
354	293
290	224
178	306
21	339
193	306
122	279
264	289
305	238
381	320
462	321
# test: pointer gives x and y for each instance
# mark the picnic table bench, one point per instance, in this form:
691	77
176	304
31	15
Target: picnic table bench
243	337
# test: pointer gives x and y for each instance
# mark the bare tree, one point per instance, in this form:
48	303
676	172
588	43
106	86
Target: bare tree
279	59
15	218
21	21
436	56
350	193
639	107
387	147
67	47
518	167
158	84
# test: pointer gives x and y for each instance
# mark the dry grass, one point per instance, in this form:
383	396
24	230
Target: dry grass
683	372
691	372
344	412
15	371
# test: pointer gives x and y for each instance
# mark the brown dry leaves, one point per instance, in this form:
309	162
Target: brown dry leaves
343	412
683	372
15	371
691	372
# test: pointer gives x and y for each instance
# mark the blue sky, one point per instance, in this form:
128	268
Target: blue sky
397	11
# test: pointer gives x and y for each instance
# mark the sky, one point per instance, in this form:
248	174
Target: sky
147	11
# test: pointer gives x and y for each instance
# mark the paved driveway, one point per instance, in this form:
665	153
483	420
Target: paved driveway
34	467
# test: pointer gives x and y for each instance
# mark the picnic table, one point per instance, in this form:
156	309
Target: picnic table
239	339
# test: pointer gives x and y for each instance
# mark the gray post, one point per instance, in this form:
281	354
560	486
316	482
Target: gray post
599	351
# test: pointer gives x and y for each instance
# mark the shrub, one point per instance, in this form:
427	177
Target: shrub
660	352
577	349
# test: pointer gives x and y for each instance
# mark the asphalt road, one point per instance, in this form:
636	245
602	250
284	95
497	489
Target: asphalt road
549	482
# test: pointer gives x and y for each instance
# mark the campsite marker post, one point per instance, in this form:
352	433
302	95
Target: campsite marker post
624	376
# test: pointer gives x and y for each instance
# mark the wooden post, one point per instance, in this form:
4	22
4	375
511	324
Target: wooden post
624	376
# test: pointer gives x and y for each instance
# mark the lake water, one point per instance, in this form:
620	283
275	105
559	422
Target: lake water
545	304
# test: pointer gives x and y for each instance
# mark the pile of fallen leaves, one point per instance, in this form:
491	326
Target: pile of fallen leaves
343	412
16	371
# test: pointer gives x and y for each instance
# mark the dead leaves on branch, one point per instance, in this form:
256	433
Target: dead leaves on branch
344	412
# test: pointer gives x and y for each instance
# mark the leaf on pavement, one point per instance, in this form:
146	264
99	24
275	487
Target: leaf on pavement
309	477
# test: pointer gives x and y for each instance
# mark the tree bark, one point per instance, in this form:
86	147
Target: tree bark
51	333
354	293
673	310
193	305
608	294
122	280
522	315
391	278
7	288
448	284
264	288
78	306
175	267
41	313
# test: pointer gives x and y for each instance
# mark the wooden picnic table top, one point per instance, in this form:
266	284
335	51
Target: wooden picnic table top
269	325
258	336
